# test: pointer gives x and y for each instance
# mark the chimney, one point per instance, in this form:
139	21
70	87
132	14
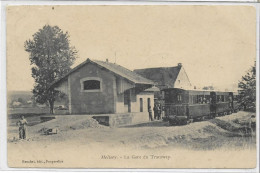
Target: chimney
106	60
179	64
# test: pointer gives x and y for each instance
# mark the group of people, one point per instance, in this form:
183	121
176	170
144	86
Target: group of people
157	109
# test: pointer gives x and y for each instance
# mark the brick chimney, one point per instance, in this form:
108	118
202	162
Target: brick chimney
106	60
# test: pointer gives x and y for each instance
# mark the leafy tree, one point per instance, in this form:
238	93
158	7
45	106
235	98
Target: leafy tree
247	94
21	100
51	57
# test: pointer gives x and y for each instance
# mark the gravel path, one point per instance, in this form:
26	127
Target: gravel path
209	141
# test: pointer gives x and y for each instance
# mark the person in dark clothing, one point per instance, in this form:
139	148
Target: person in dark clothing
150	113
22	123
158	112
155	111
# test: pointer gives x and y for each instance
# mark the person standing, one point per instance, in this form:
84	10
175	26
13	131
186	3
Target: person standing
163	112
159	112
150	113
22	123
155	112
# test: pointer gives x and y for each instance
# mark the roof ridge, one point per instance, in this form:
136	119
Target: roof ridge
159	67
132	71
113	67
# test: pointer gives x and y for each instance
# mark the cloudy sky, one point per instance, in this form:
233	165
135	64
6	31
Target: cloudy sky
215	44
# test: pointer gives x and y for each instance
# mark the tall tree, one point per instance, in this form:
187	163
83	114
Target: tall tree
248	88
51	57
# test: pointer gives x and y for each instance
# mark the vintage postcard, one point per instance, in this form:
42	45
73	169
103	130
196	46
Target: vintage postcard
131	86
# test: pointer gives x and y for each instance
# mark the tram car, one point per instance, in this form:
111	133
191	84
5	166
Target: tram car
184	106
221	103
235	104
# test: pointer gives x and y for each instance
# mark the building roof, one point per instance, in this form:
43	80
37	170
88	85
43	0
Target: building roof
115	68
152	89
162	76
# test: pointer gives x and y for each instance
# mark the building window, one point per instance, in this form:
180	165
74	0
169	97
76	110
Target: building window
141	105
91	84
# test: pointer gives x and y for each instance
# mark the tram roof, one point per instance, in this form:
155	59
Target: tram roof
200	91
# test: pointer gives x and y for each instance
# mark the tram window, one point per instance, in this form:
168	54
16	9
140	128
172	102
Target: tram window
204	100
220	98
197	99
179	97
194	98
230	99
201	99
207	97
191	100
227	98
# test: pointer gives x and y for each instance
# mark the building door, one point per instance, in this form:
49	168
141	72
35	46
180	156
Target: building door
127	100
213	102
148	104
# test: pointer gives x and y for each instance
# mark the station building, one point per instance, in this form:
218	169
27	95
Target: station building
101	87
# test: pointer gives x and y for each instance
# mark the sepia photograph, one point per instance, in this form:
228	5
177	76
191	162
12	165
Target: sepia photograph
131	86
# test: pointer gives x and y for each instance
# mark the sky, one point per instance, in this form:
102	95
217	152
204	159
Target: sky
215	44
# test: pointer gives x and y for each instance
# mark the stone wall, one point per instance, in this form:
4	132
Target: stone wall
115	120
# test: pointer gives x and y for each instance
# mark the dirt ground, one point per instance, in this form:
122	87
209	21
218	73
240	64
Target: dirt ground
82	142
